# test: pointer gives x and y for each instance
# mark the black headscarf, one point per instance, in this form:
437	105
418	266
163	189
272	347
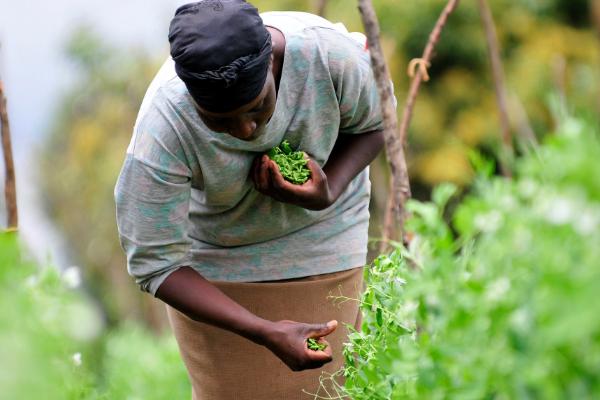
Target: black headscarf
221	51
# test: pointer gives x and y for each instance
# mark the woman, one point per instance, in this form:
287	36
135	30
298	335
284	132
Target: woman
208	223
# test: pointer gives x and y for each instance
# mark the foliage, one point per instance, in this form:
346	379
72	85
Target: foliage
43	326
292	164
139	365
501	303
53	344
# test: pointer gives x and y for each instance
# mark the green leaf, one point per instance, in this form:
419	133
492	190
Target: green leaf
442	193
312	344
292	164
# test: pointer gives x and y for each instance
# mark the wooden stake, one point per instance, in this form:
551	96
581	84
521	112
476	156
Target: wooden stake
400	188
10	185
498	76
420	74
321	5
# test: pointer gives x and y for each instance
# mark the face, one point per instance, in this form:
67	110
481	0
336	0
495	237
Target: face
245	122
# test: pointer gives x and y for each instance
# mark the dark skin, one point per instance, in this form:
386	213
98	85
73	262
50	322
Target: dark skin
187	291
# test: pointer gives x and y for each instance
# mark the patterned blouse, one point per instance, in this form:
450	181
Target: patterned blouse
184	197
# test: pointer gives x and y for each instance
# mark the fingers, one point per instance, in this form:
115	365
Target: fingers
254	171
316	173
262	174
317	360
268	176
292	347
277	179
320	330
269	181
319	357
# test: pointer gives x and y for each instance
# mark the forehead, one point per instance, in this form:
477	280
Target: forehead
243	109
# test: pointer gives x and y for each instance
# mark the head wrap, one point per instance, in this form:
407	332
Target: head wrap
221	51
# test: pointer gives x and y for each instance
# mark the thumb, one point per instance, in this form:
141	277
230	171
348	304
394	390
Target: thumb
276	177
273	166
316	173
319	330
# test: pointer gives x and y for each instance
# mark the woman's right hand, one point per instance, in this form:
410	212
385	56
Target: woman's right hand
287	340
187	291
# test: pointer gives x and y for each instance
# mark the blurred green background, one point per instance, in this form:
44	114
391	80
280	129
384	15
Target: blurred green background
551	57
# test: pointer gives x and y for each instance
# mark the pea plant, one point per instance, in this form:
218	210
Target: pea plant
497	303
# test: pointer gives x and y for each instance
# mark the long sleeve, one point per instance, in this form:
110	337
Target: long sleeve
152	198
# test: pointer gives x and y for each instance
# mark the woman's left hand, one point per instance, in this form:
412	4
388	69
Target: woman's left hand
314	194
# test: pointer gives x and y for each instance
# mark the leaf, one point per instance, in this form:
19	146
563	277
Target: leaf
442	193
379	317
483	166
286	148
312	344
292	164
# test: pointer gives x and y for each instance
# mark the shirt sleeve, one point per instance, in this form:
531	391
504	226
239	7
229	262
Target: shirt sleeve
152	197
355	85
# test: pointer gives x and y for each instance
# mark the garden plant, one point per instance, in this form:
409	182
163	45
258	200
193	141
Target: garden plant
498	303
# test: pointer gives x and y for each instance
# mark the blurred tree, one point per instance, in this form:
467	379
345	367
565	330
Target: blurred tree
456	110
574	12
82	159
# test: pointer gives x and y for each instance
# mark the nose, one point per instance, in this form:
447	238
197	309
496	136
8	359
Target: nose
243	129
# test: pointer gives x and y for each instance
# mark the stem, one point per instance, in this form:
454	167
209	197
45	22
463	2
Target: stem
400	189
559	72
10	185
524	130
498	76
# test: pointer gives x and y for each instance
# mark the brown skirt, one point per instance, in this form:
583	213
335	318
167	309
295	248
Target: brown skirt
224	366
